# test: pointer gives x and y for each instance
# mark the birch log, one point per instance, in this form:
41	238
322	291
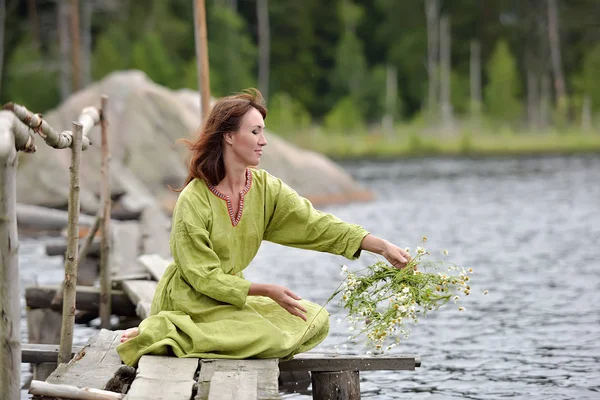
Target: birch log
39	388
64	45
88	118
105	279
10	323
75	47
70	282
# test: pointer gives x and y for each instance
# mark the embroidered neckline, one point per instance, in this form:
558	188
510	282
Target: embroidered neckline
235	219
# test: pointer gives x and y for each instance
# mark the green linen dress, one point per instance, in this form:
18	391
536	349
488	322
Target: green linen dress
201	306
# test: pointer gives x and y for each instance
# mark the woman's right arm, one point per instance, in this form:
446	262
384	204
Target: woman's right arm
283	296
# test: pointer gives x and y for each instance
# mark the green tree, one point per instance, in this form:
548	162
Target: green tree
286	115
151	56
502	91
588	83
231	52
29	81
345	117
111	53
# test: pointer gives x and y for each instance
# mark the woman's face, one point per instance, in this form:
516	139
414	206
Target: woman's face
248	142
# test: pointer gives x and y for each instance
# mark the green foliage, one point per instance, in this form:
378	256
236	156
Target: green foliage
30	82
286	115
231	53
345	117
588	82
111	53
460	95
502	91
151	56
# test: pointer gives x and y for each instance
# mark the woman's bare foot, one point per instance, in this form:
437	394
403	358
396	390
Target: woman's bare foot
129	334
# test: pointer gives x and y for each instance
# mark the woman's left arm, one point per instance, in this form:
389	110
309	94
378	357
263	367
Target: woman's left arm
295	222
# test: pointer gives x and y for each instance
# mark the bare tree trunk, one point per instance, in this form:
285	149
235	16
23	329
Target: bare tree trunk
202	55
86	35
432	9
64	44
391	98
233	4
2	22
545	101
264	45
75	46
475	79
34	23
10	307
70	282
586	114
105	281
445	70
554	41
532	100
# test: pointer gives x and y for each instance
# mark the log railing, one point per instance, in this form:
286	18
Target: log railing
18	128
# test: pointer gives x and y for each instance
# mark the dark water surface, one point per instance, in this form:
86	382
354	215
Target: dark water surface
530	229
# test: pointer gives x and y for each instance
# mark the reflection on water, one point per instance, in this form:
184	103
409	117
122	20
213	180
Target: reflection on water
530	229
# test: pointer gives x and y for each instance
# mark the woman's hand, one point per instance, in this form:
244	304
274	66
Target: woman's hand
394	254
283	296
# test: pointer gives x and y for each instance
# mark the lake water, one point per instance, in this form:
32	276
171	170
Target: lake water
530	229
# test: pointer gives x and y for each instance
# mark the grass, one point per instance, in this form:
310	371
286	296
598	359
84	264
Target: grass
410	141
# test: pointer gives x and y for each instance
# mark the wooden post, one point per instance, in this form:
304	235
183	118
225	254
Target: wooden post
105	280
10	307
75	48
336	385
70	282
202	55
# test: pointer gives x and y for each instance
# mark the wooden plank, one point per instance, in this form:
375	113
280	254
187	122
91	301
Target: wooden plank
162	377
42	353
340	362
233	385
155	264
125	242
94	365
141	294
266	370
88	299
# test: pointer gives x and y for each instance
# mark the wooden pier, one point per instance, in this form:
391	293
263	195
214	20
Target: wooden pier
96	368
96	371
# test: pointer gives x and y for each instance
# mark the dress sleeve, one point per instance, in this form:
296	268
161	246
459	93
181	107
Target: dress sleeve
201	268
295	222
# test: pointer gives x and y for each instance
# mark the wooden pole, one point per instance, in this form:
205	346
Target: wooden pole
70	282
336	385
10	308
264	46
75	47
202	55
105	281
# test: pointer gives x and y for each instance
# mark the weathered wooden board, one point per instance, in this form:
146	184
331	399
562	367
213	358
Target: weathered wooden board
87	299
234	385
42	353
155	264
124	248
94	365
162	377
266	370
141	294
339	362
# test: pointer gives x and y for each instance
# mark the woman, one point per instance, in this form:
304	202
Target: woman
203	307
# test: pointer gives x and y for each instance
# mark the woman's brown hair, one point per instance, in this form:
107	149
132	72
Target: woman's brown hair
206	159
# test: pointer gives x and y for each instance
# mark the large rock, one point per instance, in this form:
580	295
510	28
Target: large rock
146	120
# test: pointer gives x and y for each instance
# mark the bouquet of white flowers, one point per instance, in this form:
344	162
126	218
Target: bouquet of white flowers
381	299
